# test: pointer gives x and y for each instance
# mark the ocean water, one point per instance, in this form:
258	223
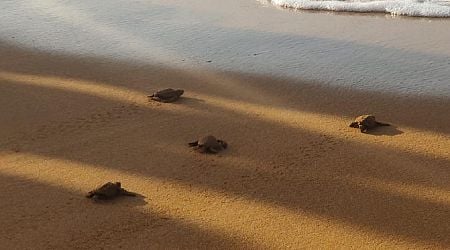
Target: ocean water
418	8
410	56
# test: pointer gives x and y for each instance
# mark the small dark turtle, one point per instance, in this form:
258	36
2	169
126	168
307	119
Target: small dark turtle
366	122
109	191
166	95
209	144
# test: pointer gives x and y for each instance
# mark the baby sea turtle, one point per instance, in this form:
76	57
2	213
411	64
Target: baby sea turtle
109	191
166	95
209	144
366	122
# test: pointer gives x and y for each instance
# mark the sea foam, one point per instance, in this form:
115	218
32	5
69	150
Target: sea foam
419	8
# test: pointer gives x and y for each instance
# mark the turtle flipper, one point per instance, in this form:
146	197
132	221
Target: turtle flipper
363	128
223	144
99	197
193	144
212	150
155	98
90	195
127	193
354	125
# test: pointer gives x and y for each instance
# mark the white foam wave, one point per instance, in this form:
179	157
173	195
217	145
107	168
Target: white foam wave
419	8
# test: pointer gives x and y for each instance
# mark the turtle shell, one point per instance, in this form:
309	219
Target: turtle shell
168	93
106	191
366	122
211	144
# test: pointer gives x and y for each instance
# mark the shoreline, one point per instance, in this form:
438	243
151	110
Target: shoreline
343	7
408	57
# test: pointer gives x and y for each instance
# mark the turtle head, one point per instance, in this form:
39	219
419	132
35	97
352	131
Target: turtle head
179	92
118	184
363	128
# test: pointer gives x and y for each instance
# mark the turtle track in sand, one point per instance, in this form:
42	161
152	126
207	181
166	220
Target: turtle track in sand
100	120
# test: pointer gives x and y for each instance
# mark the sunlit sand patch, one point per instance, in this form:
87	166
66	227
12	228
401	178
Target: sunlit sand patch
421	142
413	140
413	191
183	151
97	89
257	222
73	85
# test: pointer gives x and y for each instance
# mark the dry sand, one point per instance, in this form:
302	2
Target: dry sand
295	175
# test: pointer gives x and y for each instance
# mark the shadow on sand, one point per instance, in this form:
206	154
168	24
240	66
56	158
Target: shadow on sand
297	174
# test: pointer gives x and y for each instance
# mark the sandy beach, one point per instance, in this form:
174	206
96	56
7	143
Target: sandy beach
294	175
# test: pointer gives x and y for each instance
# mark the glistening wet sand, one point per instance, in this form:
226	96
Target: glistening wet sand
407	56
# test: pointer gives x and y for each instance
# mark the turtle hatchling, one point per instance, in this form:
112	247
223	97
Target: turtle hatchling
109	191
166	95
366	122
209	144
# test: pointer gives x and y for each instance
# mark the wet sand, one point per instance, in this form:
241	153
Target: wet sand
407	56
295	175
